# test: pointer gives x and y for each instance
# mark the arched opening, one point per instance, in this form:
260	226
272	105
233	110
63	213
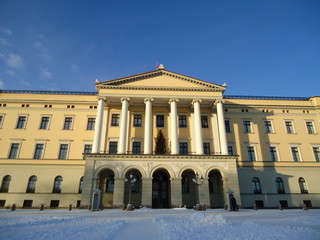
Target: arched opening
57	185
32	184
5	184
188	188
135	187
106	186
160	189
216	189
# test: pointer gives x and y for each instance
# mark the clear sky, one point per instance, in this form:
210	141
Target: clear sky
263	48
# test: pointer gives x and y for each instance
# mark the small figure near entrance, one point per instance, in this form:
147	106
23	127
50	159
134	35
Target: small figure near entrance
233	204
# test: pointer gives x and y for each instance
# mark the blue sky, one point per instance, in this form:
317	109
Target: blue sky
263	48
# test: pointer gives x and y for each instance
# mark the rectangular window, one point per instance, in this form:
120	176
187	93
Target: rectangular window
204	122
63	153
316	152
230	150
115	118
251	154
206	148
289	127
67	123
91	123
268	126
183	148
273	154
88	148
182	121
14	150
227	124
21	122
137	120
136	147
113	147
247	126
44	123
1	120
38	153
310	127
160	121
295	154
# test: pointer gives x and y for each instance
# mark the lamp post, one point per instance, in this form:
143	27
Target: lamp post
198	182
131	181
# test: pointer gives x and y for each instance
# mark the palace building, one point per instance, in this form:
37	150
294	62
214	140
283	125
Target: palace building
158	139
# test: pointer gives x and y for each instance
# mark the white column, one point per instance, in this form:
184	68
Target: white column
222	129
98	126
148	126
198	126
174	126
104	131
123	126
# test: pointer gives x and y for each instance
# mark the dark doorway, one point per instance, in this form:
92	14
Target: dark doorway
160	189
188	189
106	186
216	189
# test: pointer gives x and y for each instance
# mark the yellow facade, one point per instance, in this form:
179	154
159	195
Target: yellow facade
270	154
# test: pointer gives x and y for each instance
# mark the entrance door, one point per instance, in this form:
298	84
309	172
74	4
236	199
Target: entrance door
160	189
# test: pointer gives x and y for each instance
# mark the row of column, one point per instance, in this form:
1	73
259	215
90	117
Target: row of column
148	126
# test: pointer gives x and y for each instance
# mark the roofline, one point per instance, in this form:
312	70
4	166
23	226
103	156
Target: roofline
48	92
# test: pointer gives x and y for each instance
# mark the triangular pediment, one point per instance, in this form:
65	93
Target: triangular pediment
161	79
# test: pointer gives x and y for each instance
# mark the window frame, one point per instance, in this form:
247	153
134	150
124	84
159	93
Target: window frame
42	151
268	127
17	150
68	125
136	149
24	122
311	130
183	146
45	123
251	157
274	155
204	121
57	184
182	121
247	128
91	123
65	154
1	120
31	187
5	184
303	186
296	155
290	129
87	147
256	185
160	123
280	186
137	120
316	153
227	125
113	147
115	120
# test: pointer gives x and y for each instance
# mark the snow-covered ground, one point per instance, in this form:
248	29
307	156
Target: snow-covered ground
171	224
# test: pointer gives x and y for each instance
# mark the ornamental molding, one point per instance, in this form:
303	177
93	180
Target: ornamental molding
163	88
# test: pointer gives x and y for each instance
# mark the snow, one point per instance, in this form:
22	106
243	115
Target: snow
160	224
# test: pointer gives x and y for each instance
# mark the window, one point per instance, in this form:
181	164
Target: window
136	147
303	186
273	154
268	126
91	123
247	126
87	148
54	203
204	122
310	128
63	153
256	185
316	152
283	203
32	184
182	121
183	148
227	123
135	187
110	183
289	127
57	186
5	184
38	153
160	121
80	185
27	203
14	150
251	154
113	147
67	123
206	148
115	118
137	120
295	154
280	186
1	120
230	150
307	203
21	122
259	203
44	123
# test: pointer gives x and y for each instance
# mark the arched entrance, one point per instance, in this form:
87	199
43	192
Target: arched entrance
160	189
135	188
106	185
216	189
188	189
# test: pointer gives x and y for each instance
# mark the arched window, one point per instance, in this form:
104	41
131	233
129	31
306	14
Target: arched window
32	184
57	186
280	186
256	185
81	185
110	183
5	184
135	187
303	185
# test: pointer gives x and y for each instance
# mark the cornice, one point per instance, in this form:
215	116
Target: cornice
162	88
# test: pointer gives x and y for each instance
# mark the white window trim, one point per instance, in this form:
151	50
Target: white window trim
208	120
72	123
142	119
210	144
3	116
251	125
25	123
313	125
140	140
187	119
111	139
111	113
272	126
314	146
93	116
293	127
276	145
45	115
233	145
297	145
13	141
68	142
255	151
230	125
165	119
